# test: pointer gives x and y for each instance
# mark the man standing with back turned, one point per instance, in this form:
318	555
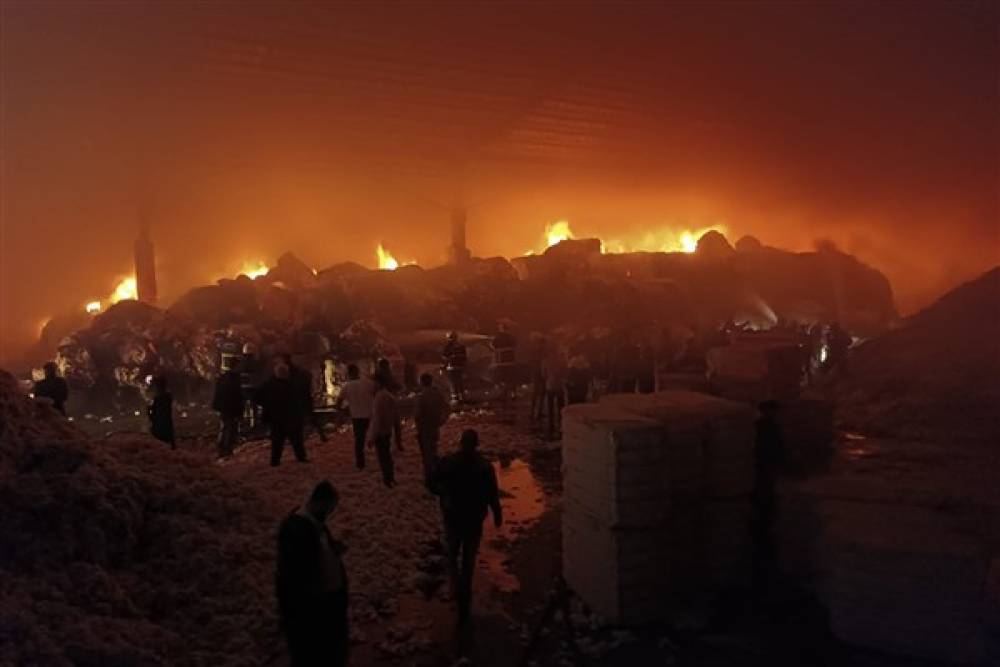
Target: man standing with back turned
468	488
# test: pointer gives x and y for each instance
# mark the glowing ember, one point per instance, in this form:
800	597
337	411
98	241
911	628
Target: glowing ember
254	270
93	307
126	290
385	260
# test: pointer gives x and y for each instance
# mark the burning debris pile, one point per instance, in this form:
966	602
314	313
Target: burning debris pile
96	539
935	377
573	286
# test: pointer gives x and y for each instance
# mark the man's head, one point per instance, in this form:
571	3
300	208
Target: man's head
50	368
452	337
160	383
323	500
287	358
469	440
353	372
281	369
426	380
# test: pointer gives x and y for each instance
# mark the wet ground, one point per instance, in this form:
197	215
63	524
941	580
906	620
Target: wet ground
403	614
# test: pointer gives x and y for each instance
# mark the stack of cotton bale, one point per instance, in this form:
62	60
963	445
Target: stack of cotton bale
656	500
908	580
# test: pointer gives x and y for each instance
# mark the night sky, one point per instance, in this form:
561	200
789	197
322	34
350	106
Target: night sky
239	131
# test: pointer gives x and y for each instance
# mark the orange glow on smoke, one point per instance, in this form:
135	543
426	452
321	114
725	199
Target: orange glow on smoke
253	270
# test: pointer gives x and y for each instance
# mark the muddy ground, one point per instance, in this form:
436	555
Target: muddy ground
401	612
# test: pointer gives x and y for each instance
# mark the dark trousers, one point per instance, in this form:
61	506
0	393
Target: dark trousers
229	435
360	427
428	441
463	546
294	433
383	447
553	406
317	632
456	377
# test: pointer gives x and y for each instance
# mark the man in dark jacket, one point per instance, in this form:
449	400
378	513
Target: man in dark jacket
454	357
769	457
228	402
312	584
161	412
53	388
468	488
282	405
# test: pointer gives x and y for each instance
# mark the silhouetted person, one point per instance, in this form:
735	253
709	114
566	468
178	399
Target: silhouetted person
555	371
769	458
52	387
359	394
281	402
228	402
838	341
468	488
385	426
536	360
302	381
579	380
625	373
312	584
430	414
455	358
504	360
161	412
384	369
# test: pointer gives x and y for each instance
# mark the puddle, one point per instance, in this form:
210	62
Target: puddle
523	505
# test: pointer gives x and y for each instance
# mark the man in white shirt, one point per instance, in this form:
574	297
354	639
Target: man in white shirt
359	393
384	428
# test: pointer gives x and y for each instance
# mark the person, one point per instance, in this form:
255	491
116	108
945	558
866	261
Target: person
626	368
228	402
430	414
253	373
538	352
555	371
769	457
838	341
52	387
579	380
504	359
455	358
312	587
161	412
282	410
384	368
468	488
302	383
385	425
359	394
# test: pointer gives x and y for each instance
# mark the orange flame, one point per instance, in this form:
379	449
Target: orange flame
386	261
664	239
93	307
253	270
125	290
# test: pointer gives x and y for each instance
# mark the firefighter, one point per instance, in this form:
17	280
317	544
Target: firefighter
504	358
455	357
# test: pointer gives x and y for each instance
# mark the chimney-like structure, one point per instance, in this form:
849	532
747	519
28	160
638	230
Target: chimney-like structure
458	252
145	266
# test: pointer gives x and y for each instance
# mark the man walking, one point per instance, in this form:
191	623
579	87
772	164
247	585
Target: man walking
312	584
430	414
385	426
359	394
283	411
228	402
52	387
468	488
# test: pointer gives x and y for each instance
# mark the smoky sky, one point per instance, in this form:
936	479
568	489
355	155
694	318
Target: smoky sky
240	131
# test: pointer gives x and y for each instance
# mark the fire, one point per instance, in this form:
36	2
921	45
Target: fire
665	239
125	290
557	232
254	270
93	307
385	259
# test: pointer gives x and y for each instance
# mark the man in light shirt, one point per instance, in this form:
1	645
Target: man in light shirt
385	427
359	393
